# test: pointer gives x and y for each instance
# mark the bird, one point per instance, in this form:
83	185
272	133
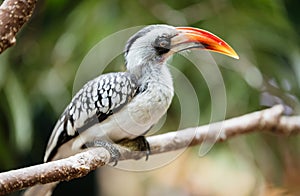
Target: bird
125	105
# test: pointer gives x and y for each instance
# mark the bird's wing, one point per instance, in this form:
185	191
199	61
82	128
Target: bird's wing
98	99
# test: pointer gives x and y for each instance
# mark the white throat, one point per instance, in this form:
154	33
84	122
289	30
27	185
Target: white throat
153	74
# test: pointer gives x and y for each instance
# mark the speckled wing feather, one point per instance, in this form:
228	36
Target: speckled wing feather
98	99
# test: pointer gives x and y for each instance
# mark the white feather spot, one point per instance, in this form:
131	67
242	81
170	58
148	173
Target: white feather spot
92	106
117	99
77	104
69	126
95	98
118	79
71	111
124	90
110	92
104	94
94	92
118	87
104	102
75	115
123	99
85	106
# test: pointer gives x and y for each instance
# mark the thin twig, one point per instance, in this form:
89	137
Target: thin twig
269	120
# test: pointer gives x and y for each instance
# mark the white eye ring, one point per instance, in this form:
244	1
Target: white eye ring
163	43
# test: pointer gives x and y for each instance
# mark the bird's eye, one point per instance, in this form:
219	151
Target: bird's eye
162	45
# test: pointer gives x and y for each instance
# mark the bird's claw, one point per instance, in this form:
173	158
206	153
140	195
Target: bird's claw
144	145
111	148
138	144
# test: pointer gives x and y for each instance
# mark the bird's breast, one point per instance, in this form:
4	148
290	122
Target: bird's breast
144	110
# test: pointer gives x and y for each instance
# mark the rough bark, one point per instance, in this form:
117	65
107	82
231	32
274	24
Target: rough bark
13	15
70	168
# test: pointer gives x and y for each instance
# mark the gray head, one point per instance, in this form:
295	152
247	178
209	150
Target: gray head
148	45
154	44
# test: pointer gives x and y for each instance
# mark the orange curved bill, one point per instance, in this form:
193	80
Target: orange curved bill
208	41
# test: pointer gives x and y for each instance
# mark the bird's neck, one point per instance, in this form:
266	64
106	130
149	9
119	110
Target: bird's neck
154	75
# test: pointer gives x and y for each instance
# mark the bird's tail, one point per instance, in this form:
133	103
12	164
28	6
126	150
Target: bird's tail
41	190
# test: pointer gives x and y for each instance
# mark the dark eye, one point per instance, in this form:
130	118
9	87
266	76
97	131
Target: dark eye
162	45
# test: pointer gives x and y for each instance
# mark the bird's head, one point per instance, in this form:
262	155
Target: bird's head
154	44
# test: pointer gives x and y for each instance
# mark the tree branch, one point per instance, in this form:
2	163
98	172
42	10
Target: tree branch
13	15
269	120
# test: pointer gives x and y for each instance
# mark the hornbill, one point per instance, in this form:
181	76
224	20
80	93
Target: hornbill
125	105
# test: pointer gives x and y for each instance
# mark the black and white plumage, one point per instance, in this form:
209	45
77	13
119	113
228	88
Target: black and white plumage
126	105
94	103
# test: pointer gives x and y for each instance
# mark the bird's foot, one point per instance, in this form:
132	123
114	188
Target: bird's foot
138	144
111	148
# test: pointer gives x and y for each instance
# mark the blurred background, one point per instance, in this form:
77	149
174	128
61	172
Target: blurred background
37	75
